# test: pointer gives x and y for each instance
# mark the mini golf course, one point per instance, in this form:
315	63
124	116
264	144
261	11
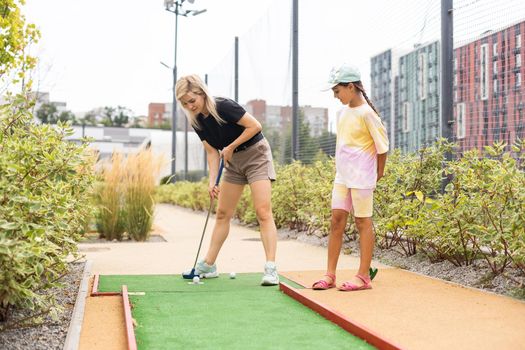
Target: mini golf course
222	313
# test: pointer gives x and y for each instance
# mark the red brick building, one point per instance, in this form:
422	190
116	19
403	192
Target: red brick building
160	113
156	114
488	89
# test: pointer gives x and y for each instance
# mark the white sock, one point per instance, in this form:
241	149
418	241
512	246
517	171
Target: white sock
271	264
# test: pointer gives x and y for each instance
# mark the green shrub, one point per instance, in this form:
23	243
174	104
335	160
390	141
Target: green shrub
481	214
44	183
245	210
410	181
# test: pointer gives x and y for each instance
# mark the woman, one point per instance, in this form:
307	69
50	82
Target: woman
228	131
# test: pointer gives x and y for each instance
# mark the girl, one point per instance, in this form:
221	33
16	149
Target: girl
360	158
228	131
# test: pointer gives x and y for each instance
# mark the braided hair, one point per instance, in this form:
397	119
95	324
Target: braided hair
359	86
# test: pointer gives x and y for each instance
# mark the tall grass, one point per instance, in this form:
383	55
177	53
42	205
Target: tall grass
110	215
125	194
140	180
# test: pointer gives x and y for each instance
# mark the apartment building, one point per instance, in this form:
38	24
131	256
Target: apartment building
488	89
417	117
278	117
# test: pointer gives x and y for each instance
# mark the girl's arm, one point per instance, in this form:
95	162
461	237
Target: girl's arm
381	161
251	127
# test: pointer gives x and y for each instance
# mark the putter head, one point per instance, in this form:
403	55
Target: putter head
372	272
188	275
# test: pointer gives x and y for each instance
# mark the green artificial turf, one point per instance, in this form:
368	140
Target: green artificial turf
224	313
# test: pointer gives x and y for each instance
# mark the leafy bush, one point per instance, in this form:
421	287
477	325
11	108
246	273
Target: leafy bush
44	183
410	181
481	214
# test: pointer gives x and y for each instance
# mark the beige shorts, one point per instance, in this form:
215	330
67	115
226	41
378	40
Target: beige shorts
252	164
358	201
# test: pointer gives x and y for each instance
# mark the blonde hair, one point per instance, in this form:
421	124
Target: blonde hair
192	83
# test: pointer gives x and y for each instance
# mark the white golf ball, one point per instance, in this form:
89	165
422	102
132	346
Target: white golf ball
232	275
196	279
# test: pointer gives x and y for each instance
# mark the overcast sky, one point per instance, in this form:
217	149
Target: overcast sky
108	52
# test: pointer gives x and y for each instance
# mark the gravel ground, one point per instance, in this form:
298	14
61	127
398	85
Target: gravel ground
477	275
50	334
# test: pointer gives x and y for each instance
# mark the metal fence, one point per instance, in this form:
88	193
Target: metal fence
434	69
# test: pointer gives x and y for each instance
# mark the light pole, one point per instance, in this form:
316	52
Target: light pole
175	6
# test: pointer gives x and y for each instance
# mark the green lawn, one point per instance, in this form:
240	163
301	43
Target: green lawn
224	313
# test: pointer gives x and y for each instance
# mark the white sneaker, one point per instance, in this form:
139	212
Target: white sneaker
204	270
270	278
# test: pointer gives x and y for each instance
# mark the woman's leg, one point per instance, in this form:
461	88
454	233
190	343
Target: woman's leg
261	196
229	196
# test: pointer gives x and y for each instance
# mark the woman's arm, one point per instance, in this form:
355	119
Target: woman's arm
381	161
213	166
251	127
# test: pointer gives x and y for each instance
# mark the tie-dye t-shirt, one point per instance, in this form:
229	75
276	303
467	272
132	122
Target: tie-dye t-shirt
361	136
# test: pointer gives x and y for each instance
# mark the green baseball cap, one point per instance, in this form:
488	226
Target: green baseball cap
345	73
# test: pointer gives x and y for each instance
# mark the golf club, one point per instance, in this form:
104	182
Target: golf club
192	274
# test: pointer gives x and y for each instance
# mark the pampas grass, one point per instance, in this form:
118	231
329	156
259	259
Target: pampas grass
140	180
126	195
110	215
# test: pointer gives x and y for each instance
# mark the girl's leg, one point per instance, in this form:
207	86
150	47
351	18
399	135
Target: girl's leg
229	196
366	246
261	196
335	240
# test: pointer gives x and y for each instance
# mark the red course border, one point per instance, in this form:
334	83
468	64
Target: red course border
342	321
94	290
130	332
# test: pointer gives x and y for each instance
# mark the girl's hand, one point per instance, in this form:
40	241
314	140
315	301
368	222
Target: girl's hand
379	176
227	154
213	190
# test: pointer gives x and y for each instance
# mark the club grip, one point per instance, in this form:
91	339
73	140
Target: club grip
221	166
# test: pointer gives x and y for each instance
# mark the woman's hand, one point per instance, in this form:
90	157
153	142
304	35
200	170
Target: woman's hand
213	190
379	176
227	154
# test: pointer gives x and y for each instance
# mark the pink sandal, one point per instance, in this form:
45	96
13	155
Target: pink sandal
350	287
323	285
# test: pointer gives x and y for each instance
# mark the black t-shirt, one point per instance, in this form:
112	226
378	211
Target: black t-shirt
221	135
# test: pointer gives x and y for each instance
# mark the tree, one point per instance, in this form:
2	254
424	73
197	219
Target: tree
308	145
90	118
115	116
47	113
67	116
15	36
327	142
274	139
